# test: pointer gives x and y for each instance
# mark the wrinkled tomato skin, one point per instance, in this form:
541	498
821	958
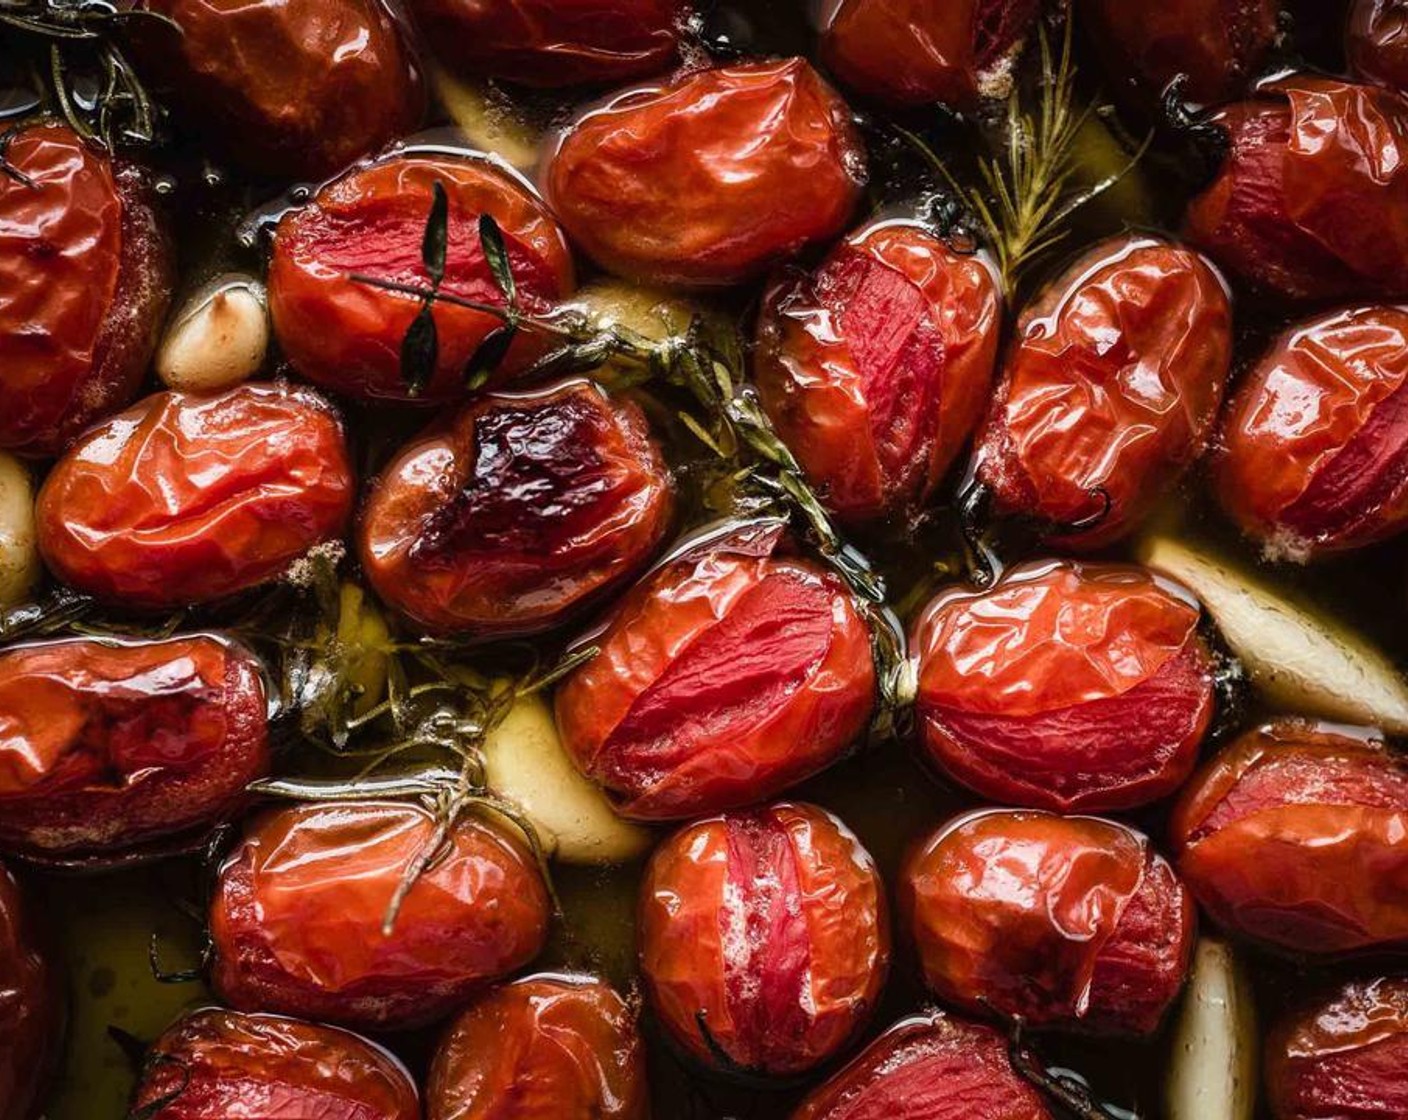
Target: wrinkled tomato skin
31	1008
107	748
1075	687
558	1047
297	916
928	1067
722	680
1110	390
187	499
513	514
1376	42
876	368
712	178
1062	921
346	335
763	936
1293	838
213	1064
86	273
1313	456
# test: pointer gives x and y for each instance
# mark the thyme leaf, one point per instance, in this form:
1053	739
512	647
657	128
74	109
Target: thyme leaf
420	350
491	242
489	355
435	241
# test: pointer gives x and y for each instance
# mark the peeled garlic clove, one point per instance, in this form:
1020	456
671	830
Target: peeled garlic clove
19	552
218	339
1212	1071
487	127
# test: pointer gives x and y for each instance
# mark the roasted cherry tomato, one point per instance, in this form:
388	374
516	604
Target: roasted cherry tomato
1294	837
347	334
712	178
85	277
764	939
1377	42
557	1047
512	514
1110	390
1061	921
876	367
1314	449
728	676
1311	202
185	499
1066	686
107	747
31	1009
297	921
214	1065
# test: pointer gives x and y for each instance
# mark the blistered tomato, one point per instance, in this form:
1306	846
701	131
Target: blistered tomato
557	1047
1376	42
728	676
108	748
876	367
347	334
185	499
1294	837
31	1009
709	179
1069	921
85	278
1110	390
1314	449
764	939
514	513
222	1064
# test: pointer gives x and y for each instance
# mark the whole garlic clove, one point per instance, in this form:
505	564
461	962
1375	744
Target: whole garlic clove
218	338
19	552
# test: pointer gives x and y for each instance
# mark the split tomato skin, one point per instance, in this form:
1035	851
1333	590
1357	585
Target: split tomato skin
711	178
518	511
346	335
1376	43
297	916
31	1008
186	499
86	273
764	939
876	367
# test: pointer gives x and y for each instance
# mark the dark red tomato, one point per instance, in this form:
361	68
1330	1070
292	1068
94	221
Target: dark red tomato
106	747
185	499
712	178
764	939
1073	687
85	278
215	1065
31	1009
1377	42
1314	449
929	1067
512	514
556	1047
1110	390
877	367
347	335
1311	202
1294	837
299	909
728	676
1063	921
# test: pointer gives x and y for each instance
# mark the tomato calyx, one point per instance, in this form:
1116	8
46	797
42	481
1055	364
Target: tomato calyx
1068	1090
981	529
1208	142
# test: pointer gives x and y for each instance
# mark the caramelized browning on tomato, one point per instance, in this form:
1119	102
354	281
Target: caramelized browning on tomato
1376	42
31	1009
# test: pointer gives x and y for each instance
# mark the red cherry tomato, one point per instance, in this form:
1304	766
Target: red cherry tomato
346	335
31	1009
1294	837
108	747
1069	921
764	939
712	178
514	513
85	277
557	1047
877	367
185	499
1376	42
1074	687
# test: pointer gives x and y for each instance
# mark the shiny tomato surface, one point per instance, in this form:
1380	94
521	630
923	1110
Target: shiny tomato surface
31	1009
711	178
107	747
876	367
346	335
1110	390
764	939
298	913
1376	42
85	278
186	499
512	514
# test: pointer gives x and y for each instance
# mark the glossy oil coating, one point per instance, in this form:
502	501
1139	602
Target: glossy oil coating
31	1008
1376	42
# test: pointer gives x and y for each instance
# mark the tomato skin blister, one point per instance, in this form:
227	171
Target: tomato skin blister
31	1010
